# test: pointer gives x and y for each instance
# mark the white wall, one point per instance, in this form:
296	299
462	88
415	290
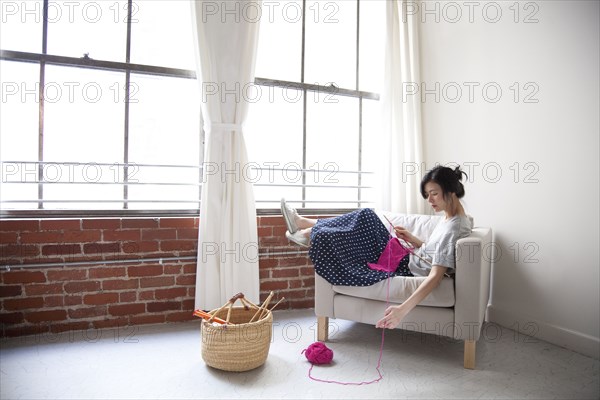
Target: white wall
546	276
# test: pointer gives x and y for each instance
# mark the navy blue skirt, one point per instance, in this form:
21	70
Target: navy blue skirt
342	246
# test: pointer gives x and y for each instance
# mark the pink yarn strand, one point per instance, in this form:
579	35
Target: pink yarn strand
387	302
356	383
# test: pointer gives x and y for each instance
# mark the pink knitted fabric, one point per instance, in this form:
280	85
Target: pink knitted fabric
391	256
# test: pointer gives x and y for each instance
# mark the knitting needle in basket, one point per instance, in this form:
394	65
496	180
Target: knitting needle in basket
276	304
272	308
267	300
265	306
207	316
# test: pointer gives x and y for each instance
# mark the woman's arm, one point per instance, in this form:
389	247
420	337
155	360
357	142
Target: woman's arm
394	314
403	234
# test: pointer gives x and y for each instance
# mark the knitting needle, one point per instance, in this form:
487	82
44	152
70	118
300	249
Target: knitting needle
392	225
207	316
263	304
255	314
267	301
395	234
276	304
427	261
258	310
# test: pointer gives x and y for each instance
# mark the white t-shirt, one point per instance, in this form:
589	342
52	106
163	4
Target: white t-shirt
441	245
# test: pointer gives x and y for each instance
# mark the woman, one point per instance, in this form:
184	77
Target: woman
341	247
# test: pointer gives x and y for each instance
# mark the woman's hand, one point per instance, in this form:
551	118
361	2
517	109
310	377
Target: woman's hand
392	317
395	314
405	235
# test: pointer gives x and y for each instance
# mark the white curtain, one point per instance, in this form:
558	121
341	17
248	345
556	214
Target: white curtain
401	165
228	241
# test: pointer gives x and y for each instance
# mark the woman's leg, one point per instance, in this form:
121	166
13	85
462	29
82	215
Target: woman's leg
301	236
304	223
341	248
298	227
293	220
305	226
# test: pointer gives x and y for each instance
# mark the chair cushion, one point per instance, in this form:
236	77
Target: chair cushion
401	287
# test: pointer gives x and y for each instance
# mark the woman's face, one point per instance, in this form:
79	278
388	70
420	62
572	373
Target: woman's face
435	196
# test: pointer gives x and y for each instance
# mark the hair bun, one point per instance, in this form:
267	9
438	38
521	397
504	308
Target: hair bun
459	173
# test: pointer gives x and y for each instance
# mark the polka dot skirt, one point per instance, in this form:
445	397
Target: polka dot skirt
342	246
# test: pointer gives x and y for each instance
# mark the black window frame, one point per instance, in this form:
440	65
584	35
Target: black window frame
43	59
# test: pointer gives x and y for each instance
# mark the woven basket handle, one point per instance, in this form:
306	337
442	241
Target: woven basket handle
239	296
232	300
211	319
235	297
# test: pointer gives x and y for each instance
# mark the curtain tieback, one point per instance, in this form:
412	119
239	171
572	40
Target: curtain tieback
223	127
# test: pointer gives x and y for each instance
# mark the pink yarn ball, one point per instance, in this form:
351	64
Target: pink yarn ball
318	353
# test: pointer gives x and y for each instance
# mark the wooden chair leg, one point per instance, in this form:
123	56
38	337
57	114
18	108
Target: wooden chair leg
322	329
470	354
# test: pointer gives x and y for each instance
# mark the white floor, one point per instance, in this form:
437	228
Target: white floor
164	361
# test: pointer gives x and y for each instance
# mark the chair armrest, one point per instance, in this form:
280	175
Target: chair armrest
323	297
472	283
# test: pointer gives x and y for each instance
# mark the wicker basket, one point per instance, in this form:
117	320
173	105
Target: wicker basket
240	345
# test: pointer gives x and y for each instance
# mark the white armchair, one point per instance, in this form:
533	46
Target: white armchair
455	309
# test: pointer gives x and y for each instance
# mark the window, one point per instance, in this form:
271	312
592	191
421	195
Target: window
96	103
319	69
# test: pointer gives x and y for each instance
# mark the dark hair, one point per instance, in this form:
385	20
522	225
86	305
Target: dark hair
448	179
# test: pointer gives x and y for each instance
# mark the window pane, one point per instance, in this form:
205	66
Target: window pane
84	114
98	28
280	41
19	132
164	128
372	45
330	54
21	26
20	111
332	147
371	147
273	135
161	34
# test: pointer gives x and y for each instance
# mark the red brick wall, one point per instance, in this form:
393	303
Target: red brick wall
75	297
